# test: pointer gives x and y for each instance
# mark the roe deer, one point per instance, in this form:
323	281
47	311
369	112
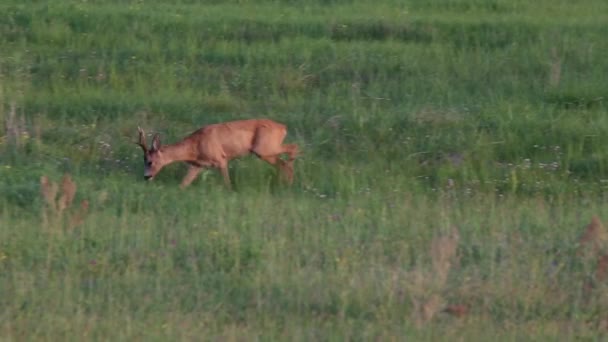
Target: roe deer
215	145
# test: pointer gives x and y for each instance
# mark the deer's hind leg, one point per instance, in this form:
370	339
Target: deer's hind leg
223	166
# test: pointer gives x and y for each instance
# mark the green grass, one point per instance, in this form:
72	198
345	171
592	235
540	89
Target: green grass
414	118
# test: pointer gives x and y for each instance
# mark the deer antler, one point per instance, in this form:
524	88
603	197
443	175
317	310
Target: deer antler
142	139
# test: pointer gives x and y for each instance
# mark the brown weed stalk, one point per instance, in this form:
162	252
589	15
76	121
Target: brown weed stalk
58	212
555	72
594	238
14	127
429	285
592	247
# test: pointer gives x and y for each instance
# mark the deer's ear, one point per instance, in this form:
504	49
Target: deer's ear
156	142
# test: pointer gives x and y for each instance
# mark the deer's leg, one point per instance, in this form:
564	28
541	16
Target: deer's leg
193	171
224	169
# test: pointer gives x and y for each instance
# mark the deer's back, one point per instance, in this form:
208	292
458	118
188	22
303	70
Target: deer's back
230	139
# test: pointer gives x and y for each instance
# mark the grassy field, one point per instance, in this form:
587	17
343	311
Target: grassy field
453	153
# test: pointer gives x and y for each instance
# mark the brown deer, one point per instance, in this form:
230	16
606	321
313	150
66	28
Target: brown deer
215	145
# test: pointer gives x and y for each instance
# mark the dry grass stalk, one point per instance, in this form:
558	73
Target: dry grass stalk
68	188
11	126
55	209
592	246
48	189
79	216
593	240
15	127
425	310
443	252
555	73
601	270
429	284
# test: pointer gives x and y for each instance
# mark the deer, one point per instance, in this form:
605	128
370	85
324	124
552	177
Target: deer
214	145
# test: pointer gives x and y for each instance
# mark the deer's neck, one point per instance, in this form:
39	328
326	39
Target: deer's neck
180	151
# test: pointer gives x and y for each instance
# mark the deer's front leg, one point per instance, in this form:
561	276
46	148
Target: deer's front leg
193	171
223	166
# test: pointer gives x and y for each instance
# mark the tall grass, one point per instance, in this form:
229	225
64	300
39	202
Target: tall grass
453	152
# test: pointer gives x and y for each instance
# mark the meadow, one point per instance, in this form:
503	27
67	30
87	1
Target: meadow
453	154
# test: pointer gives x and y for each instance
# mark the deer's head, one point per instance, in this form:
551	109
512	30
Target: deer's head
153	157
